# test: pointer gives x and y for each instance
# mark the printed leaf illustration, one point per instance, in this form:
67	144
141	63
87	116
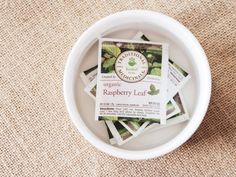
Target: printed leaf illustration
149	56
94	90
109	62
132	62
156	65
111	69
152	87
149	64
169	105
124	133
154	50
152	120
156	72
153	90
111	49
129	46
134	125
106	55
111	118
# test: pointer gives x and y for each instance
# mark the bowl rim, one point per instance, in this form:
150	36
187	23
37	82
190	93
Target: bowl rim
204	86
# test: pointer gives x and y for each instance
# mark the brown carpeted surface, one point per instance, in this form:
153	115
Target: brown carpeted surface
37	137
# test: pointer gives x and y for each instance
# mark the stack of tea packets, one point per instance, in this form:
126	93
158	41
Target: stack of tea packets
136	87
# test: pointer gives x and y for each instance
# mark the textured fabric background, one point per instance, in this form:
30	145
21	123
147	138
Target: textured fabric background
36	135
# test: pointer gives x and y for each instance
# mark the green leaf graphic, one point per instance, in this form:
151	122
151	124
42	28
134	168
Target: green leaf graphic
154	50
153	90
109	62
111	49
152	87
156	65
111	118
156	72
129	46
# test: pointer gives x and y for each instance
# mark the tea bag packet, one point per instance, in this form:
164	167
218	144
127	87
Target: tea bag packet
127	86
91	88
111	137
177	76
172	108
88	75
119	132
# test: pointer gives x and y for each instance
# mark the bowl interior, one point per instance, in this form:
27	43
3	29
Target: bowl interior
177	52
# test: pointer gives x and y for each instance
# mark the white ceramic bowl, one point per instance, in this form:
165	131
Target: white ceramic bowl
184	49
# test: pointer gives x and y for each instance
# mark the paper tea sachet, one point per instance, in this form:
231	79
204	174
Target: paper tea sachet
88	75
119	134
177	76
111	137
127	86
